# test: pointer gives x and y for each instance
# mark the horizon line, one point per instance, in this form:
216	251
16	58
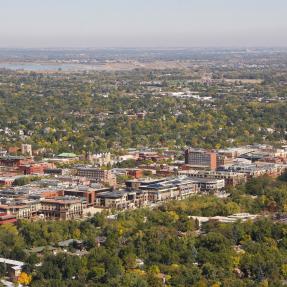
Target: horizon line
142	47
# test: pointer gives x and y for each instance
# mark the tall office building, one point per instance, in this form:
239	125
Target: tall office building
201	159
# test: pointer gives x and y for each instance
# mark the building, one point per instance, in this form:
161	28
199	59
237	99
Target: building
115	200
172	188
35	168
97	175
65	157
122	199
26	149
144	193
54	171
135	172
21	209
230	178
49	202
201	159
8	180
85	192
78	244
100	159
2	152
7	218
242	217
222	160
13	149
258	169
14	268
149	155
176	187
210	185
14	161
65	207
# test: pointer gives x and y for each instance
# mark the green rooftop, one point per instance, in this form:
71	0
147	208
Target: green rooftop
67	155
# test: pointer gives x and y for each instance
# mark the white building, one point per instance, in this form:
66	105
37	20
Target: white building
26	149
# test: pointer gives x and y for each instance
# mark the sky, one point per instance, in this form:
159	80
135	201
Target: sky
142	23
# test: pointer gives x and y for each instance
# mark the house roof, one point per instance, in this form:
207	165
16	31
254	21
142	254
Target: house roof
111	194
11	262
67	243
41	249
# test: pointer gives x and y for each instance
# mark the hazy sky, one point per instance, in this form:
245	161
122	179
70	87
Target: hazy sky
142	23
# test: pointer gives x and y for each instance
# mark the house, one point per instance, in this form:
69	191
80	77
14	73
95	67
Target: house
14	268
100	240
40	250
77	244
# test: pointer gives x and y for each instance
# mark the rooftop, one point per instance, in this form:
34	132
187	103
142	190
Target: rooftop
11	262
113	194
67	155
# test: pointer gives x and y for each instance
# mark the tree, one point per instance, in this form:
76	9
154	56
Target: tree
24	278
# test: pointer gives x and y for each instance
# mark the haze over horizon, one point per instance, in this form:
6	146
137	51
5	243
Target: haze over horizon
158	23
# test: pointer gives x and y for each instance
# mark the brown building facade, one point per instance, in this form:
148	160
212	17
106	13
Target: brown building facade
201	159
97	175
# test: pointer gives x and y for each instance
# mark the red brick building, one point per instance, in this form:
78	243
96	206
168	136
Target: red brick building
97	175
35	168
88	194
135	173
7	218
7	181
15	161
201	159
13	149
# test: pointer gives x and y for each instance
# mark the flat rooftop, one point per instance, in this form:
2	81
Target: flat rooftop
12	262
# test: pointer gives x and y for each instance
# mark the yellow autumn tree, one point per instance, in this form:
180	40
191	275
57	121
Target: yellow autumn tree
284	270
24	278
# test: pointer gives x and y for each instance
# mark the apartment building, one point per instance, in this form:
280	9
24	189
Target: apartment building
230	178
258	169
63	208
210	185
115	200
172	188
21	210
97	175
